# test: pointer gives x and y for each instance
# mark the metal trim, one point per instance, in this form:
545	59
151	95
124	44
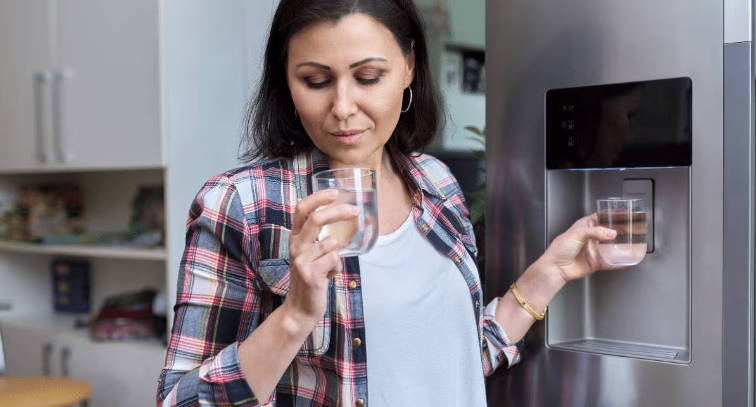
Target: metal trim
737	21
738	218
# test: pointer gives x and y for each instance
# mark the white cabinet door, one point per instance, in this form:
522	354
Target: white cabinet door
121	374
27	349
24	101
107	87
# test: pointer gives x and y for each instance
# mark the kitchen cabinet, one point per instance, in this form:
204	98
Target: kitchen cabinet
151	92
107	83
79	84
122	374
28	349
24	84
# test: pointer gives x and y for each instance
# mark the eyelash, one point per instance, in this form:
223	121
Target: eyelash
364	81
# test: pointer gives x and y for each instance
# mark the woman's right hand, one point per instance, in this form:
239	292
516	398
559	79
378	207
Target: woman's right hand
313	263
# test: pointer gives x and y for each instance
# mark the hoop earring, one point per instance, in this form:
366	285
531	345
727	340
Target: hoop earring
410	101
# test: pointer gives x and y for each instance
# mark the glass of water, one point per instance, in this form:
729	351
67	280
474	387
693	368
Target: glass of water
356	186
629	218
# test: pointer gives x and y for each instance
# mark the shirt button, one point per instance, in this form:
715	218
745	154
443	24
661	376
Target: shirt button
359	403
426	227
352	284
457	259
477	304
356	342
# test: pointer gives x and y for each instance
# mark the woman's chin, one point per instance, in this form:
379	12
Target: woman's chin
352	157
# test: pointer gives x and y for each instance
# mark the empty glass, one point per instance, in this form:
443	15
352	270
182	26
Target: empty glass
629	217
357	187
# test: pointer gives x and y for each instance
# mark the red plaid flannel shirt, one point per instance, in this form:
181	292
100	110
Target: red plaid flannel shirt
234	273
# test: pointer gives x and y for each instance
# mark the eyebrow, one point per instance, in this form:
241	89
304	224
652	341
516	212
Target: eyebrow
366	60
353	65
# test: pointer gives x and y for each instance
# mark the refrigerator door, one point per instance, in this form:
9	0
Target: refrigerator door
538	45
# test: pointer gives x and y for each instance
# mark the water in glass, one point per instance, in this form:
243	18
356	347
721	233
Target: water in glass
356	186
629	219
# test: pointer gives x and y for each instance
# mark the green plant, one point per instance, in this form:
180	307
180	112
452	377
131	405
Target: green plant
478	197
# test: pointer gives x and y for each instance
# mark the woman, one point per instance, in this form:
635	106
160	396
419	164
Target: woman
267	314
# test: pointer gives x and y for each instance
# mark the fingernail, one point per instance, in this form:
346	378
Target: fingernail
332	193
610	233
354	210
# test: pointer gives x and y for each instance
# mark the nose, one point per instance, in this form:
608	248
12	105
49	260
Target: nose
344	104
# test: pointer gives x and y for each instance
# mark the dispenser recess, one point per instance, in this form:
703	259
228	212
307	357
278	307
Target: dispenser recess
630	139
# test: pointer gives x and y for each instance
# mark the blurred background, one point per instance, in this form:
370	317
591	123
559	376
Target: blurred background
112	115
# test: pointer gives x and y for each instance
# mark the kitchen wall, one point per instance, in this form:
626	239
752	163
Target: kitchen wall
456	36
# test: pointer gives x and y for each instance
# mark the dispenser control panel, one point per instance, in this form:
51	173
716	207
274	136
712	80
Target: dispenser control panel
627	125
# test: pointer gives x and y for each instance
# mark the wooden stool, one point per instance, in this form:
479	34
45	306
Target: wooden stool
42	391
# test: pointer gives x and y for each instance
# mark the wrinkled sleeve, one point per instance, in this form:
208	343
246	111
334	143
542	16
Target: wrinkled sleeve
216	305
498	350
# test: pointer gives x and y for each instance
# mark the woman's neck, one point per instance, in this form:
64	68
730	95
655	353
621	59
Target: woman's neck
382	165
394	202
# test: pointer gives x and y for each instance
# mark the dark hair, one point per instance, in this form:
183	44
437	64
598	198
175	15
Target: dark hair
272	129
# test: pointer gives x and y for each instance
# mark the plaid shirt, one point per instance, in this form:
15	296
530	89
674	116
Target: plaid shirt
234	273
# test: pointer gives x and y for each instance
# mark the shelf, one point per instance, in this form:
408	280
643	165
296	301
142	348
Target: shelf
150	346
462	47
105	252
61	327
67	169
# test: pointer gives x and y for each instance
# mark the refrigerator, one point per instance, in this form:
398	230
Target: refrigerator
588	99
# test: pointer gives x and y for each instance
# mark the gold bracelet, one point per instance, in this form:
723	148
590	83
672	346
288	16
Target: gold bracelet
525	305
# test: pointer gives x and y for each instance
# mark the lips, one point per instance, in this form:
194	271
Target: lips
347	133
348	136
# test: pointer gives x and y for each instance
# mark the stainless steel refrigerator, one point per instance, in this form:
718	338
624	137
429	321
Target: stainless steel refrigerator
644	98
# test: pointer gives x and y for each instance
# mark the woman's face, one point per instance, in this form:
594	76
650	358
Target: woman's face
347	80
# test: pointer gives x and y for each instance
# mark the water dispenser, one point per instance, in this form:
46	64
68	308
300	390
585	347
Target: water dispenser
628	140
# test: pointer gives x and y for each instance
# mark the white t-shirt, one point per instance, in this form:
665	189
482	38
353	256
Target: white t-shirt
413	295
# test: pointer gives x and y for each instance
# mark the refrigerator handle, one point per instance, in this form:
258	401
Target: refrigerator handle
41	79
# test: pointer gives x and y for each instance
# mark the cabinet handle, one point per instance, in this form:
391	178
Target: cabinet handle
60	76
65	353
46	353
40	81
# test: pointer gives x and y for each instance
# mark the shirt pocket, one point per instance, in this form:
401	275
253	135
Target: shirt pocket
275	275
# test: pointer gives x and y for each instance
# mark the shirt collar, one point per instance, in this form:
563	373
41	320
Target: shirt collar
416	177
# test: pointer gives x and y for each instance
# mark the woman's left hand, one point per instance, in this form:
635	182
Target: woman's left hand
573	254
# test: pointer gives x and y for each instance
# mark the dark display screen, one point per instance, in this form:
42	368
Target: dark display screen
627	125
